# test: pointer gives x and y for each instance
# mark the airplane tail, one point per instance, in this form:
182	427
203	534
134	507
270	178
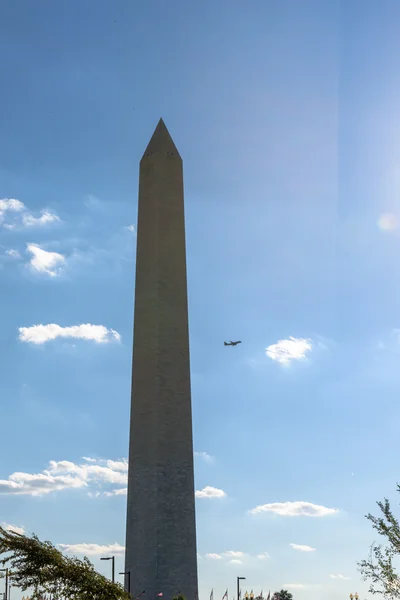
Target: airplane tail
225	344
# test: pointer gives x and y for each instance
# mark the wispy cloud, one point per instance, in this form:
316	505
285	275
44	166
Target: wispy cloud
286	351
302	548
93	203
15	528
98	477
388	222
14	214
210	492
131	228
301	586
38	484
10	206
64	475
263	556
236	561
92	549
43	261
214	556
46	217
294	509
40	334
234	554
206	457
117	492
294	586
13	253
339	576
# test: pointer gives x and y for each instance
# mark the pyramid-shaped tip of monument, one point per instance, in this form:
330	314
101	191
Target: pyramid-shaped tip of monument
161	142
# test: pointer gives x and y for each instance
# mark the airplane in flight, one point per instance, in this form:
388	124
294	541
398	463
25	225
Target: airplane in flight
232	343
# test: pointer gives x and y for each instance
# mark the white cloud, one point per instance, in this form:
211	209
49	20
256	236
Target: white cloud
28	220
295	509
92	202
236	561
214	556
13	253
339	576
40	334
234	554
289	350
14	213
15	528
210	492
96	476
131	228
302	548
92	549
206	457
388	222
38	484
62	475
10	205
294	586
98	472
44	261
301	586
118	465
117	492
263	555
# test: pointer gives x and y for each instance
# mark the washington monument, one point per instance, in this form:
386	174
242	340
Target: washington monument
161	554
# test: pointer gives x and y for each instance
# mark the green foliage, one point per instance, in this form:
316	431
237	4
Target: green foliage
379	569
282	595
41	567
179	597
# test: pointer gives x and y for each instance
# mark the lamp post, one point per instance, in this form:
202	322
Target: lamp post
128	574
112	558
238	585
6	587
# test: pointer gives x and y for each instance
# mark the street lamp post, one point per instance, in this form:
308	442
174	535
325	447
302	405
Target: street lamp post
238	585
128	574
112	558
6	587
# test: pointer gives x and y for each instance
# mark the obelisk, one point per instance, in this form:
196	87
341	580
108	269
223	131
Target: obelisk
161	553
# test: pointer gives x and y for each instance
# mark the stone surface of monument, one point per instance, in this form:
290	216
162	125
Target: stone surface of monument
161	553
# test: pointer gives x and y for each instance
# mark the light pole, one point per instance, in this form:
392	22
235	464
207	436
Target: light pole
128	574
238	585
113	566
6	588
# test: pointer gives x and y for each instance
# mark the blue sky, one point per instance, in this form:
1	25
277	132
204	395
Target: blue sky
287	118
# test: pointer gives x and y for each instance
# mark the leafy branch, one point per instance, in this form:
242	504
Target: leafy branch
41	567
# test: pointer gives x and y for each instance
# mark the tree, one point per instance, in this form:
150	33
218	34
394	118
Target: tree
379	569
282	595
41	567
